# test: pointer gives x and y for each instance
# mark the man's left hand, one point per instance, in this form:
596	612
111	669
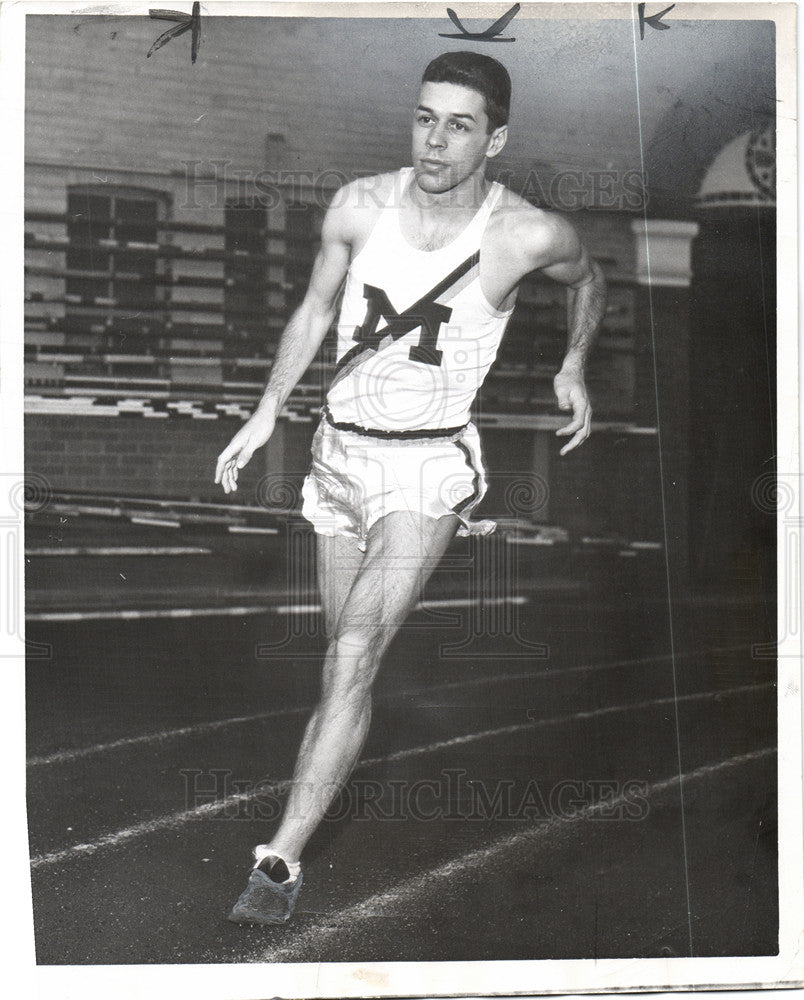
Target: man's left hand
570	390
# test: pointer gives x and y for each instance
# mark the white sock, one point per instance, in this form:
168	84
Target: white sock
262	851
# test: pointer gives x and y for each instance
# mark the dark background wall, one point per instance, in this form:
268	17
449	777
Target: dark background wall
326	99
733	396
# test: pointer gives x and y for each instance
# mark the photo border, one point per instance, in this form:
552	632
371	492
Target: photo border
438	979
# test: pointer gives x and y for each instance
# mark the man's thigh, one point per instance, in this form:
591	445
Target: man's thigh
402	550
338	560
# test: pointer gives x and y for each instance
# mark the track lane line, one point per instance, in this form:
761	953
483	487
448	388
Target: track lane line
209	809
64	756
382	902
584	716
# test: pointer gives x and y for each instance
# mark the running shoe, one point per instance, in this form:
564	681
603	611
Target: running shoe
270	896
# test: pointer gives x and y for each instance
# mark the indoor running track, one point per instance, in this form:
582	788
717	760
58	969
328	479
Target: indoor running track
507	805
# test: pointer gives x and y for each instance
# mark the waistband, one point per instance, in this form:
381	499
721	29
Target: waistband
414	435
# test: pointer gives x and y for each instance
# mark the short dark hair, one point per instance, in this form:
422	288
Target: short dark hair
478	72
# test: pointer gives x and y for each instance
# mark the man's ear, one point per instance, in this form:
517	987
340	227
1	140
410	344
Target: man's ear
498	139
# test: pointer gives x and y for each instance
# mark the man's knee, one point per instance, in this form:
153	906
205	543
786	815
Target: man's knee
353	658
360	643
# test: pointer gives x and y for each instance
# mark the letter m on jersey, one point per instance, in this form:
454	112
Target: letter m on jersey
426	314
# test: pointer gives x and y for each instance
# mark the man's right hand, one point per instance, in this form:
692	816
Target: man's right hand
251	436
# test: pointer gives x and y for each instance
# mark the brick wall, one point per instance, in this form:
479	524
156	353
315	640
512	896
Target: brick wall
93	98
154	458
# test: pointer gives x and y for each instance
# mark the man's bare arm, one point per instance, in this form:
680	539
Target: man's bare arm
586	305
300	340
309	324
565	259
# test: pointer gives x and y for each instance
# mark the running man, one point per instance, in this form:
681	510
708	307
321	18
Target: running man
432	257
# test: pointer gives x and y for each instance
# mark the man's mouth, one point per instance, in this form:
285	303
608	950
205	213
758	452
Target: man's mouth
433	164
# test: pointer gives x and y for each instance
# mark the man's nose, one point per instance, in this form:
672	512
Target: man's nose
437	138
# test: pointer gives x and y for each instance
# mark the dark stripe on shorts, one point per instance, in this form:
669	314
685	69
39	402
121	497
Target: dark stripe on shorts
463	505
433	432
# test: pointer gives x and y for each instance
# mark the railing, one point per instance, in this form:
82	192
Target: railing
202	320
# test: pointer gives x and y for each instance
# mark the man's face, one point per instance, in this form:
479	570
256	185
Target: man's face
450	136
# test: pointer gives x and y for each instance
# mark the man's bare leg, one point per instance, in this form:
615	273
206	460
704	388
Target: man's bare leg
338	561
402	550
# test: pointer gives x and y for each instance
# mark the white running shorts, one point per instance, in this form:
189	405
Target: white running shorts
356	479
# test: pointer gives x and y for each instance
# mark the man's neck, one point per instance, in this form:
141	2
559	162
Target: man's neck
469	195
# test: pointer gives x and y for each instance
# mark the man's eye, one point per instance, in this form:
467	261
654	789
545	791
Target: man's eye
424	119
459	126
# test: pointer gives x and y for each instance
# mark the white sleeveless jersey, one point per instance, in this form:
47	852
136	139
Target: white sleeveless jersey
416	334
